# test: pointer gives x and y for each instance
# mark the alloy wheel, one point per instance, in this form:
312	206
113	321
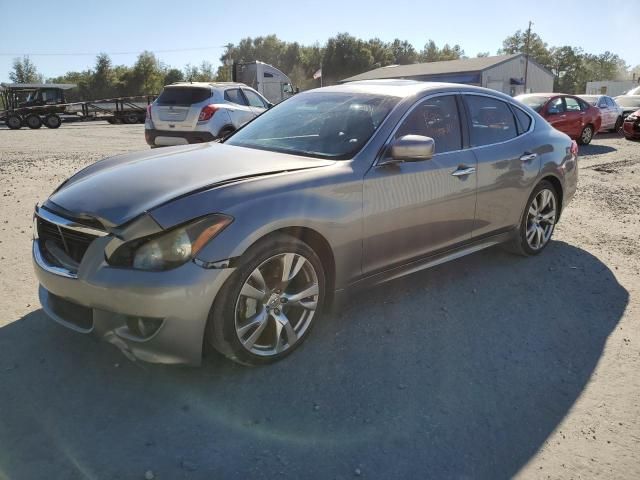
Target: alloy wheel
541	219
587	133
276	304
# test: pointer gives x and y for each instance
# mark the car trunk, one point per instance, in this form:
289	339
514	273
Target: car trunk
178	108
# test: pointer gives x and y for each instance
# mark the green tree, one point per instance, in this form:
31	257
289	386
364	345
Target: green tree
381	53
146	76
517	43
403	52
567	68
173	75
345	56
102	83
24	71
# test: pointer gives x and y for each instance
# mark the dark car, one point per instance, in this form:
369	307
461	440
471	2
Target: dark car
567	113
631	126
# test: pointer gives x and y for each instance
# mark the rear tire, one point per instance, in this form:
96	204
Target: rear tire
14	122
33	121
130	118
52	121
538	221
618	125
257	318
586	135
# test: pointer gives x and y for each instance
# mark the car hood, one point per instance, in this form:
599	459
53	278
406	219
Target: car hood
118	189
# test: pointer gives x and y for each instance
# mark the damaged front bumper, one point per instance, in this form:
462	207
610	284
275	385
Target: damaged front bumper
157	317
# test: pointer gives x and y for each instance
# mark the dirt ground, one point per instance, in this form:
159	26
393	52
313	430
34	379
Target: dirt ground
491	366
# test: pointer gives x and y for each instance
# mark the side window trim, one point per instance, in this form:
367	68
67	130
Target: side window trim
240	94
510	105
257	95
521	129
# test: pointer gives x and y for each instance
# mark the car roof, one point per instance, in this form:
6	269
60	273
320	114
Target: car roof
208	84
404	88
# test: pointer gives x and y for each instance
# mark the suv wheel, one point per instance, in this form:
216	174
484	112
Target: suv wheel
268	306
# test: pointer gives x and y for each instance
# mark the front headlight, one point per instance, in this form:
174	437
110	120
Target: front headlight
169	249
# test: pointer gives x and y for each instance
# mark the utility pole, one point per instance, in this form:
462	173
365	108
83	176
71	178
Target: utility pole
526	55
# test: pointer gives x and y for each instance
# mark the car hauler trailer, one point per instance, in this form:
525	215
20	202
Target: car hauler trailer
274	85
34	105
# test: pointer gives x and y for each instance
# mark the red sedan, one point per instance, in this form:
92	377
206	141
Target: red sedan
567	113
631	126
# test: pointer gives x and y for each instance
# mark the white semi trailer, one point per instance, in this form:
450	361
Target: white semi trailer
274	85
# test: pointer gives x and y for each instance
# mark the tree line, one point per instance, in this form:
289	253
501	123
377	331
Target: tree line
342	56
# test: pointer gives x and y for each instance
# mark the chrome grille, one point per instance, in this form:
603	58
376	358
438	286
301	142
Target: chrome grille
72	242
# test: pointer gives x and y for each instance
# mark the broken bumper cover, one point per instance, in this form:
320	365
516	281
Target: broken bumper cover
157	317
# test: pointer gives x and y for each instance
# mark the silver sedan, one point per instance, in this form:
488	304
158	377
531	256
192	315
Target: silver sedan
241	245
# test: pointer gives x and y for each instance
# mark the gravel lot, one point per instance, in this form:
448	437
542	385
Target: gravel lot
492	366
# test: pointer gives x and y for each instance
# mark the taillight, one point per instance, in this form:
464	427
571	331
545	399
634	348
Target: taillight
207	112
574	148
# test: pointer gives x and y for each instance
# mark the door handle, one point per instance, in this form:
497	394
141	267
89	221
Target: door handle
528	156
461	172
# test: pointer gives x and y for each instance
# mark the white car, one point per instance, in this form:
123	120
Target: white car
196	112
610	111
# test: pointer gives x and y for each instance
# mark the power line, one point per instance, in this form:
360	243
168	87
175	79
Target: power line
77	54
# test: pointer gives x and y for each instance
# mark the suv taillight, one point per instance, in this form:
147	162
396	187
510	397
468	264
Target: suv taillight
149	111
207	112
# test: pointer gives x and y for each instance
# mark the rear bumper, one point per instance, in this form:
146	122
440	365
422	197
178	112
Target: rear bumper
151	136
109	302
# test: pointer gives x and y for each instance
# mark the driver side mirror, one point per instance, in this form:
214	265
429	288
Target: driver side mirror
410	148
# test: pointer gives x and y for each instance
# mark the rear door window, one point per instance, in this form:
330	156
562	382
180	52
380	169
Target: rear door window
183	96
572	104
523	119
234	95
491	121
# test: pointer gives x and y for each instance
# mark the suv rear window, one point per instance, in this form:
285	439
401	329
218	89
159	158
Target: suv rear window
183	96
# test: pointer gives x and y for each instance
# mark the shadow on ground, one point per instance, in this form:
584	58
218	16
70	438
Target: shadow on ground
458	372
595	149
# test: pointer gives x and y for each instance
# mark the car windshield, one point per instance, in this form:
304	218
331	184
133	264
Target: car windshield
317	124
590	99
628	101
533	101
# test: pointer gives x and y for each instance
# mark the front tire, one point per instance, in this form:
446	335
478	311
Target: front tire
13	121
538	221
267	308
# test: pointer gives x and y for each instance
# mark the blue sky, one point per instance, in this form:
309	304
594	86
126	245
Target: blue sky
135	25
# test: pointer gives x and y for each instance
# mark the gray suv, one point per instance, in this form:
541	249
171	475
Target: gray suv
200	112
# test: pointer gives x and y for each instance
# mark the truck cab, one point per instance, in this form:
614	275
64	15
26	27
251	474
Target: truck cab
274	85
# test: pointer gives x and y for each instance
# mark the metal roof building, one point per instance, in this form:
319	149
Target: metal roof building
504	73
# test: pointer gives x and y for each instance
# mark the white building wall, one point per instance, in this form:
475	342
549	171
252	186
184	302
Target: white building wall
499	77
610	87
